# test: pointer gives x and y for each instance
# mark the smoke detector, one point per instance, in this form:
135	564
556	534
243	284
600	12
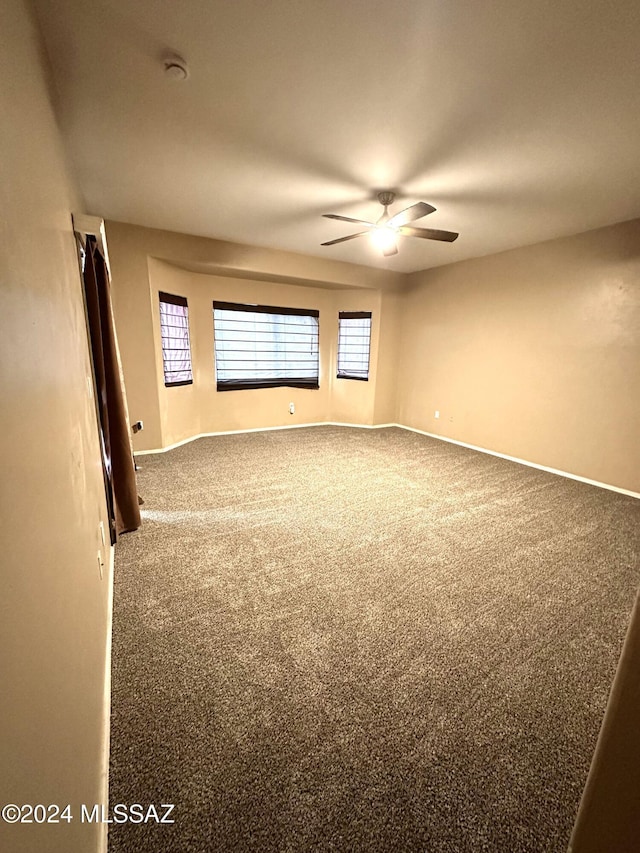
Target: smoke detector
175	67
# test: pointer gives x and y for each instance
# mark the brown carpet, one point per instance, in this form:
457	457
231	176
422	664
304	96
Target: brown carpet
336	639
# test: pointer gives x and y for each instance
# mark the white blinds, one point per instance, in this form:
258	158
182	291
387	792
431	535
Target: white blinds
174	330
354	341
261	346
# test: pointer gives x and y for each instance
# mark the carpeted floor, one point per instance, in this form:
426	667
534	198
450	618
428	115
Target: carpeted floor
331	639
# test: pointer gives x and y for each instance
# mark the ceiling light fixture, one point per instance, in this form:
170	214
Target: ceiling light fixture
383	237
385	230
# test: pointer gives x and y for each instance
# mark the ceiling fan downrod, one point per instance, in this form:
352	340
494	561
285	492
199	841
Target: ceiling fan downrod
385	198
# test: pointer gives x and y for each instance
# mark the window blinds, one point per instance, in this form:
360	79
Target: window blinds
262	346
176	349
354	341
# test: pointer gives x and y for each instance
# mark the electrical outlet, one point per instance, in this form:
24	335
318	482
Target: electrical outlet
292	408
436	414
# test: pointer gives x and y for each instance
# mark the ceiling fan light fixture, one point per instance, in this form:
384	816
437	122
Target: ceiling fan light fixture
387	228
383	237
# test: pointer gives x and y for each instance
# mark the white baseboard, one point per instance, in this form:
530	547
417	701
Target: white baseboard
557	471
106	707
523	462
256	429
362	426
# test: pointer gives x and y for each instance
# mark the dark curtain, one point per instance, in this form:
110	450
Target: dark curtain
118	465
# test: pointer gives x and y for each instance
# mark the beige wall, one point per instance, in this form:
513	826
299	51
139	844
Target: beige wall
386	398
534	353
609	818
351	400
145	261
54	607
131	297
191	409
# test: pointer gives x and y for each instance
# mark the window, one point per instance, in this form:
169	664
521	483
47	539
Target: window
176	350
354	340
259	346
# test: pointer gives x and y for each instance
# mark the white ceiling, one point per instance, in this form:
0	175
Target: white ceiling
519	120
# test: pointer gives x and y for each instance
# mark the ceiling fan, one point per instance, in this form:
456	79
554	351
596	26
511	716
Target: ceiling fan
385	231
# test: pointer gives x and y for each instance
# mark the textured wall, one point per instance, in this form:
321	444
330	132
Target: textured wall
191	409
53	606
140	269
534	353
386	396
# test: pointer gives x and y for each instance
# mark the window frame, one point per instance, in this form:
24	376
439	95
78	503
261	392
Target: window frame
174	299
353	315
276	382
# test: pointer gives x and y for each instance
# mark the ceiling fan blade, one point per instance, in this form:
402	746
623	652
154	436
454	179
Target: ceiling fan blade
348	219
428	233
389	250
416	211
342	239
